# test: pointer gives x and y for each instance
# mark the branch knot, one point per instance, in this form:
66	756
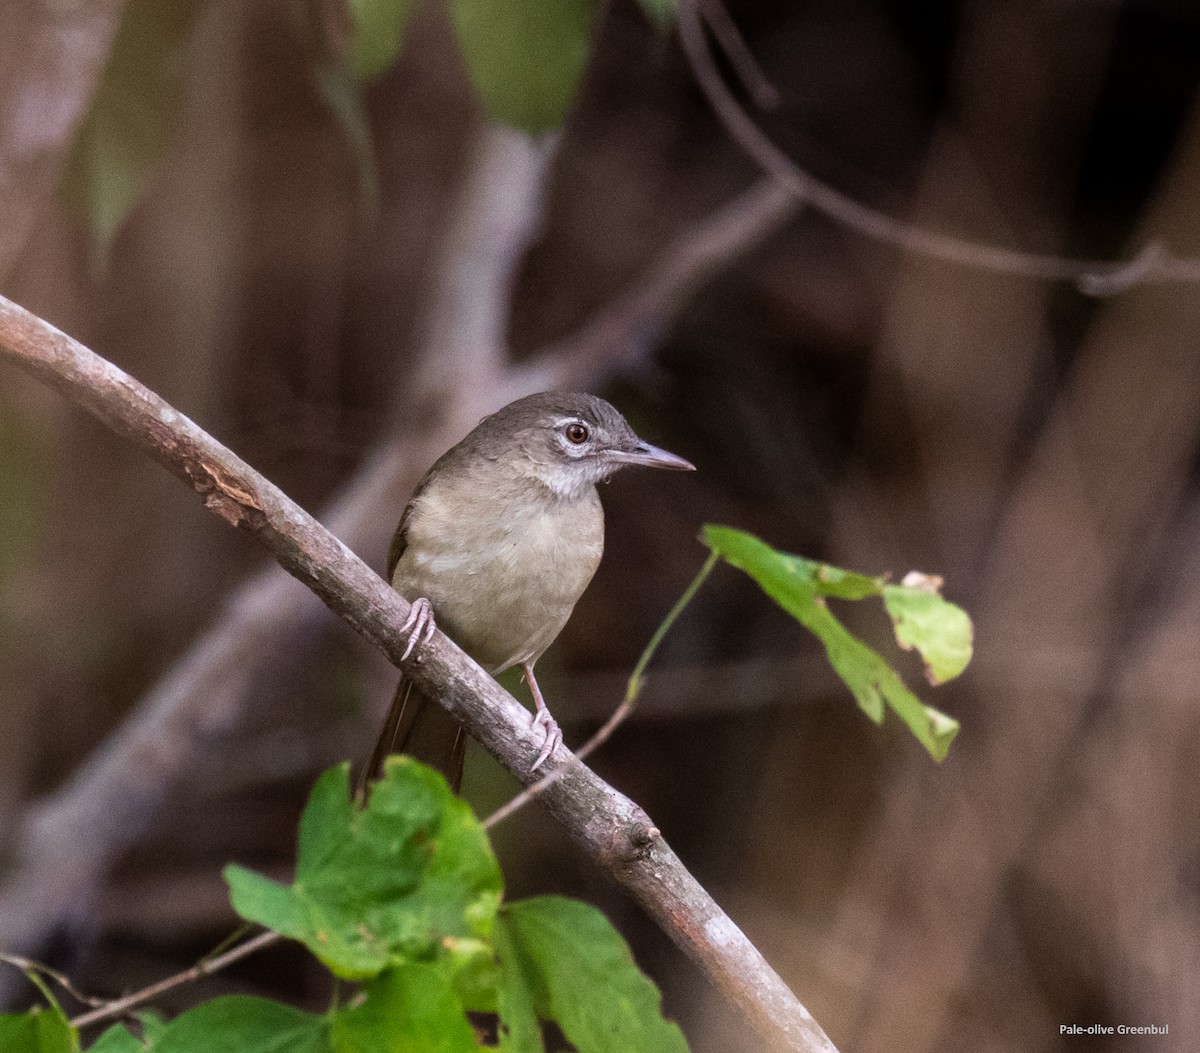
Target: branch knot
234	500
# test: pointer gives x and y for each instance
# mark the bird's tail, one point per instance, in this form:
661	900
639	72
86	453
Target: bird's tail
421	728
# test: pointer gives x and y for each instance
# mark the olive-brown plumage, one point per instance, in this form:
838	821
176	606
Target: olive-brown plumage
499	540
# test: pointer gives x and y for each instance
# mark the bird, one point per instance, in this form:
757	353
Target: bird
496	545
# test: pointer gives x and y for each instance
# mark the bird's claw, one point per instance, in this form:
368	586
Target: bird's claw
553	734
419	624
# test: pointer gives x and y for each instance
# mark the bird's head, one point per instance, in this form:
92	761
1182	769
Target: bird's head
570	441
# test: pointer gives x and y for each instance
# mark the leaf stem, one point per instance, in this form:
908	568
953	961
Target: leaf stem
634	688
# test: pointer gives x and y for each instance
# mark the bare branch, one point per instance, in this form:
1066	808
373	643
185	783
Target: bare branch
740	57
633	322
496	216
1155	263
33	968
611	829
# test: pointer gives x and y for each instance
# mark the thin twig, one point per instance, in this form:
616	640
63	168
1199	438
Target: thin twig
637	677
631	325
632	690
29	966
1154	263
205	967
740	57
542	785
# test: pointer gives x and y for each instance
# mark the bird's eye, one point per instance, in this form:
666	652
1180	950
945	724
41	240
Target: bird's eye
576	433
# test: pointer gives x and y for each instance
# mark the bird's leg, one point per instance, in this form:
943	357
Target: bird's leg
541	718
419	624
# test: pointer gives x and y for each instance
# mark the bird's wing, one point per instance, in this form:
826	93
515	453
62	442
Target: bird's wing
399	540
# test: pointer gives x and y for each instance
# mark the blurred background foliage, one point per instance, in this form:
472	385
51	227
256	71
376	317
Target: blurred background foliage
254	200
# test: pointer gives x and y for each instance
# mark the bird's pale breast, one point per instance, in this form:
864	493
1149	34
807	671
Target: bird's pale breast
502	571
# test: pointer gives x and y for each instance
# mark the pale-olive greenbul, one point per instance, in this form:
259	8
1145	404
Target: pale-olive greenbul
498	542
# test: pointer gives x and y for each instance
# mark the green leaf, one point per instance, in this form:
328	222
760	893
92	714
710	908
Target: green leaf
117	1039
471	966
410	877
800	587
128	127
940	631
574	965
837	583
153	1024
377	33
520	1031
238	1022
44	1029
409	1009
525	57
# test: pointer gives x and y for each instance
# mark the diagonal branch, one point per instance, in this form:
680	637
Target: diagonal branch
634	321
611	829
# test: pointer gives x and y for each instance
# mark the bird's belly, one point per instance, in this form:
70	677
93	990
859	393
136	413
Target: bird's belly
503	595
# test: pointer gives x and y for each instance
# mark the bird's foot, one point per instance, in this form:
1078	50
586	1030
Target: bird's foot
552	732
419	624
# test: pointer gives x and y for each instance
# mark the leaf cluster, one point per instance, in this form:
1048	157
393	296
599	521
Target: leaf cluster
404	898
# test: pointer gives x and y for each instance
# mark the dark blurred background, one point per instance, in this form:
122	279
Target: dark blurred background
874	408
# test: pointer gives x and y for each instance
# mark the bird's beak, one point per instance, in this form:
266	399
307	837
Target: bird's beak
651	457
